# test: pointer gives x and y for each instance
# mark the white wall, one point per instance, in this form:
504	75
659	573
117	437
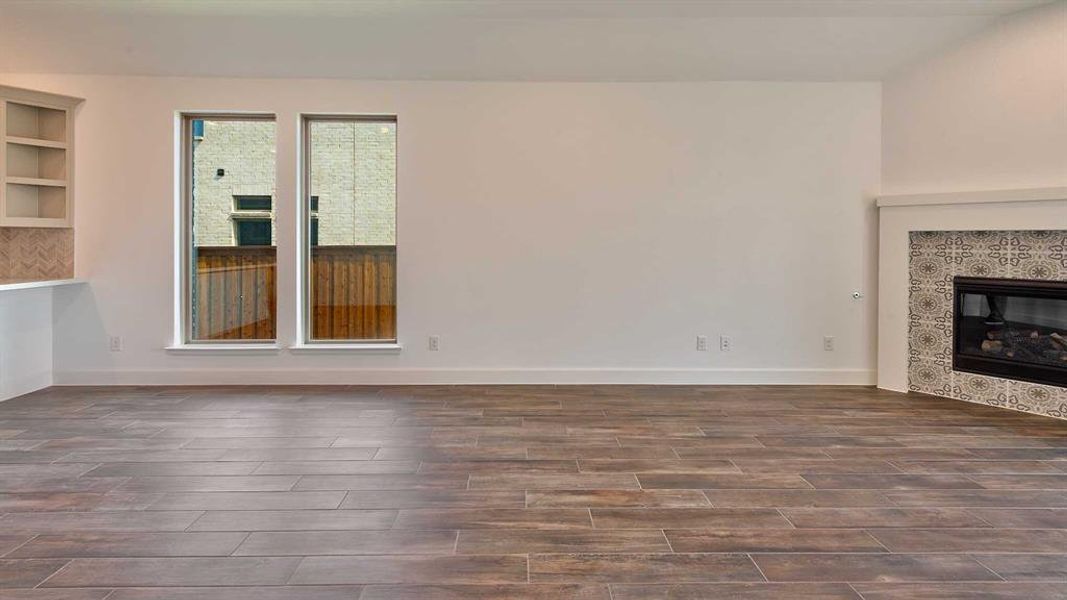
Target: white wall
547	232
25	341
988	114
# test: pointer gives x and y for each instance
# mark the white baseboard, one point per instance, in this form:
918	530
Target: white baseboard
470	376
893	388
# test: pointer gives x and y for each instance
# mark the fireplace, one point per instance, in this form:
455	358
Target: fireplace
1011	328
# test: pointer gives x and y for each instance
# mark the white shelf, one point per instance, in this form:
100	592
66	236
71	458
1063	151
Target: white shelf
25	141
36	222
37	181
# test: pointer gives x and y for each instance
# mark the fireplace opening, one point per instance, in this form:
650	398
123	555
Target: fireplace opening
1011	328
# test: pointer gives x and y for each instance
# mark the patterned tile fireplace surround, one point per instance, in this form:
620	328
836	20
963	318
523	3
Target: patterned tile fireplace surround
938	256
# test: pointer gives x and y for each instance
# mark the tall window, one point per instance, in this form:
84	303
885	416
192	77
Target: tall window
350	228
230	255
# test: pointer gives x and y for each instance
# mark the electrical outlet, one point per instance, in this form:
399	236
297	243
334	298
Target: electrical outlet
725	343
114	343
828	343
702	343
434	343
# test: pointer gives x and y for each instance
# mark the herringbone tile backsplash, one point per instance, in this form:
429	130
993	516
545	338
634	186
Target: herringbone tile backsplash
33	253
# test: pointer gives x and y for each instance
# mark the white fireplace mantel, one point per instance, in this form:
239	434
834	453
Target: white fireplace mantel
981	197
898	216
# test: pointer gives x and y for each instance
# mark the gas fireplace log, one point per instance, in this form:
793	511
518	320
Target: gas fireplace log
1058	340
1028	355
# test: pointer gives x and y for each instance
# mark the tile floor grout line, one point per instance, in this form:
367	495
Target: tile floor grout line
57	571
241	543
752	560
667	539
877	541
985	566
16	548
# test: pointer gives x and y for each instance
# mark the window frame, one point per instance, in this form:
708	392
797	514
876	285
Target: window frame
304	218
184	333
240	216
238	209
236	221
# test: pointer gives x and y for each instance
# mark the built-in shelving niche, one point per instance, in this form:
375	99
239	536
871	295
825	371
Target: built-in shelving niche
37	158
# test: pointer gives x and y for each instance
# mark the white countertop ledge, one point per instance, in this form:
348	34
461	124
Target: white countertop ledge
343	348
7	285
223	349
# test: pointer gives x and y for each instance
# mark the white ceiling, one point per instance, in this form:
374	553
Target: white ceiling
563	40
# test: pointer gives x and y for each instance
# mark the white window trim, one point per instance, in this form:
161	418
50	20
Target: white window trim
305	343
182	341
347	348
224	348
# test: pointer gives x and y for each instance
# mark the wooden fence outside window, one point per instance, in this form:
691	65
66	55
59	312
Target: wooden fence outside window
352	293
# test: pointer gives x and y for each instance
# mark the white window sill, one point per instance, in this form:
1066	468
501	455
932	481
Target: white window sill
341	348
224	348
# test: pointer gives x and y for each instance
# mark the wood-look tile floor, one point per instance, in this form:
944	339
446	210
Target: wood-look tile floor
533	492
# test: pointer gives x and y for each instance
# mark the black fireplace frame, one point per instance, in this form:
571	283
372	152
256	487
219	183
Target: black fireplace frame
998	367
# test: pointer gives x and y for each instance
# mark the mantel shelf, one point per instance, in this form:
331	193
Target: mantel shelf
979	197
28	141
37	181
